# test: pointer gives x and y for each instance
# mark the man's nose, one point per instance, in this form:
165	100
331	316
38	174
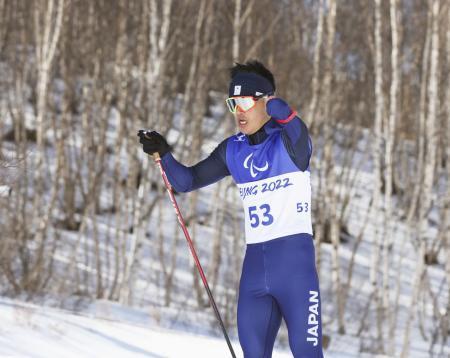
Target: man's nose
239	109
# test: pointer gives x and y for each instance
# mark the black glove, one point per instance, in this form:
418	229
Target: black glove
153	142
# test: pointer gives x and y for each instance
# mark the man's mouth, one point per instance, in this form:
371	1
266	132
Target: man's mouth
242	122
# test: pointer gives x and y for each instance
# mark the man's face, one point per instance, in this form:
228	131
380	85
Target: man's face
250	121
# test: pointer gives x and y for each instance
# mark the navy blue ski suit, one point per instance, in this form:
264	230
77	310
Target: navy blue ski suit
279	277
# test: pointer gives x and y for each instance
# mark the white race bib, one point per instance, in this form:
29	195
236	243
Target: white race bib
276	207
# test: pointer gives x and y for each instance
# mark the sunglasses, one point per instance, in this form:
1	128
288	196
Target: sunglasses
245	103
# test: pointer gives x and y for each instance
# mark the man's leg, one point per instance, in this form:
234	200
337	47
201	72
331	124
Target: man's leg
301	309
295	286
259	319
258	315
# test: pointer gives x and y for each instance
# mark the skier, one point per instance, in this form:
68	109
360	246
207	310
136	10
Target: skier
269	161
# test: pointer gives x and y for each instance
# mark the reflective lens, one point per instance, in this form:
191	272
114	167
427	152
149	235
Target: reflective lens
245	103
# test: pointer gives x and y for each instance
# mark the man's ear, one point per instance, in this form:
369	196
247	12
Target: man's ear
268	98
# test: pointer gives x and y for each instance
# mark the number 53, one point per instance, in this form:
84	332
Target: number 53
267	218
302	207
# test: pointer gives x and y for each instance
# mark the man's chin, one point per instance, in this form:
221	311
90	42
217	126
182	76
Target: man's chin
243	128
245	131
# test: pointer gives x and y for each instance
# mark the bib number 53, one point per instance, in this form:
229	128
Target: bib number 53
303	207
261	216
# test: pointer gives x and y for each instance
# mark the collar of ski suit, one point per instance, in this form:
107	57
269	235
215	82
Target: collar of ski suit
262	133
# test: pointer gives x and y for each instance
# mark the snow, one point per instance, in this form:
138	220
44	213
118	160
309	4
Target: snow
108	329
28	330
4	190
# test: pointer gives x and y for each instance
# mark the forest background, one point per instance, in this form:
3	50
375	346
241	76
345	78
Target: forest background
83	210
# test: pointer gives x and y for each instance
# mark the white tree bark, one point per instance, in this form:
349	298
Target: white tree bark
416	283
388	178
314	123
430	160
193	69
446	223
47	26
330	196
217	220
238	21
379	112
310	118
158	44
418	185
236	28
431	129
47	31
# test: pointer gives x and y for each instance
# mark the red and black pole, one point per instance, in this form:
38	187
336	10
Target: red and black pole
157	159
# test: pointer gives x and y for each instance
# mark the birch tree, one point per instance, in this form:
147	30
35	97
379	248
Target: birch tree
47	22
446	221
329	198
238	20
158	41
430	160
47	28
316	66
388	178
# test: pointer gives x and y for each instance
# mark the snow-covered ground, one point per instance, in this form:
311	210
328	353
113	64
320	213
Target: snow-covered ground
28	330
107	329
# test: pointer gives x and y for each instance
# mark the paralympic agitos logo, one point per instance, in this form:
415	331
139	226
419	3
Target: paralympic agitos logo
253	168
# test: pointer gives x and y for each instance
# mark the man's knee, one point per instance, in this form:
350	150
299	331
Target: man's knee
306	347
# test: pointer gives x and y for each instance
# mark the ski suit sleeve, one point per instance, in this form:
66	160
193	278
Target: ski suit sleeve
294	132
210	170
296	140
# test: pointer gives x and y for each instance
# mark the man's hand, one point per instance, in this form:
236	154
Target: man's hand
153	142
277	108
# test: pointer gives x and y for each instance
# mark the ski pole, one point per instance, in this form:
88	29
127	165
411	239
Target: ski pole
157	159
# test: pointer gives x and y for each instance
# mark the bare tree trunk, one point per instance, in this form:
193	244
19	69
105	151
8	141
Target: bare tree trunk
16	107
155	68
329	166
418	185
238	21
388	178
122	73
431	128
311	117
217	221
167	268
312	121
186	110
430	160
236	28
417	284
379	112
446	221
47	36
